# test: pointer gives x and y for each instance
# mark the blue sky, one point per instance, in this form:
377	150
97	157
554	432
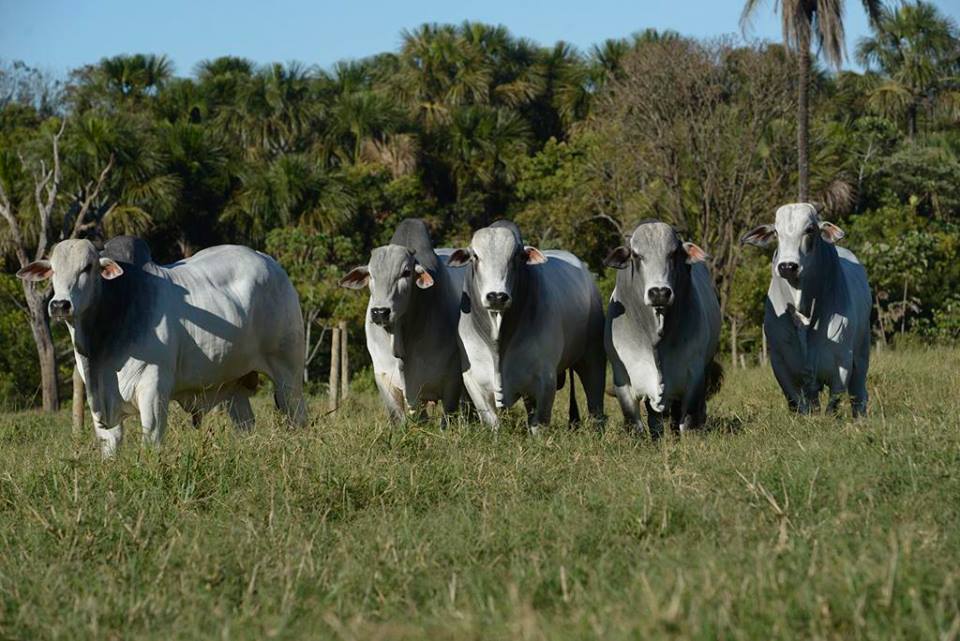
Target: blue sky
57	35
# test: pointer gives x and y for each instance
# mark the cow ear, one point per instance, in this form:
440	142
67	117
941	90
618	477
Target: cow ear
619	258
830	232
460	257
695	254
36	271
424	279
356	278
534	255
759	236
110	269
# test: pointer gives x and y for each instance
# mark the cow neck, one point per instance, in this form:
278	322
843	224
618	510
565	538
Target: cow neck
809	297
631	285
102	339
418	326
523	309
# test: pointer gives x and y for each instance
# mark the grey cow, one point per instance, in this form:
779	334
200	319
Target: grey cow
411	321
196	332
526	318
817	313
663	327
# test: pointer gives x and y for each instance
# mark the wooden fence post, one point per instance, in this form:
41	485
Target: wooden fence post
334	368
733	343
763	349
344	361
78	399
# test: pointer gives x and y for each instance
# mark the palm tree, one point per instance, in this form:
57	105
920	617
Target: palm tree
806	22
136	75
915	47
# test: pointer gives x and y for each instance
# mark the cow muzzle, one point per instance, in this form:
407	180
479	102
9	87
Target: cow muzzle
497	301
380	316
788	269
660	297
60	309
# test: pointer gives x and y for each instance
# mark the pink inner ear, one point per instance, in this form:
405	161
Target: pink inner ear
694	253
36	271
355	278
534	256
111	270
830	232
424	280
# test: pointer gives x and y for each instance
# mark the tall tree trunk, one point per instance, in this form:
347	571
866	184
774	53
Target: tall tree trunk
803	122
42	336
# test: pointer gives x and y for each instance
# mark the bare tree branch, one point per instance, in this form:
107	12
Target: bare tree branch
49	181
91	191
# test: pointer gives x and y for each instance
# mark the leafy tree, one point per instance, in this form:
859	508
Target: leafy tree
918	51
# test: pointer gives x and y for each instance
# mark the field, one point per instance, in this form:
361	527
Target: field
765	526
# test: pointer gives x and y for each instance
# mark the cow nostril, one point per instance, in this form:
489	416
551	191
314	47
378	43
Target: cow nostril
380	314
498	297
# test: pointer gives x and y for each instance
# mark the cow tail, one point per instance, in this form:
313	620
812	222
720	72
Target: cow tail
714	378
574	410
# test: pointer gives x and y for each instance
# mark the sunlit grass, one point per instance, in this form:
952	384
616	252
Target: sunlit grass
767	525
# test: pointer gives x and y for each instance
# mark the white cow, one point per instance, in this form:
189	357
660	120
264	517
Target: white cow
663	327
411	323
197	331
817	315
526	318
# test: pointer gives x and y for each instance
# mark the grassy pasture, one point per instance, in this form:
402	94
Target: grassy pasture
766	526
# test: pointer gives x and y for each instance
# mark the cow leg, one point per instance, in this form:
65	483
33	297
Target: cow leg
839	386
287	380
858	381
451	401
654	421
240	412
677	416
786	380
153	404
592	371
543	411
630	406
109	437
483	400
694	406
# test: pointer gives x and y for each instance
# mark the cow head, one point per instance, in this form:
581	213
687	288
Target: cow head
799	232
78	272
392	274
498	256
661	260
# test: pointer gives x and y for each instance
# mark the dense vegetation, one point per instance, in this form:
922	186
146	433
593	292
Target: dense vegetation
466	124
767	526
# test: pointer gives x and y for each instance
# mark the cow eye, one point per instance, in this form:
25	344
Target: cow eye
405	274
810	229
86	270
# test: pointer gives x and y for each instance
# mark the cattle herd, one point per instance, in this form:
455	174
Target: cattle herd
499	319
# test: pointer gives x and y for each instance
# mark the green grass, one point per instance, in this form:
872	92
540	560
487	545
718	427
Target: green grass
768	526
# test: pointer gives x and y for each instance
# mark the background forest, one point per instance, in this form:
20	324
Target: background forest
465	124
